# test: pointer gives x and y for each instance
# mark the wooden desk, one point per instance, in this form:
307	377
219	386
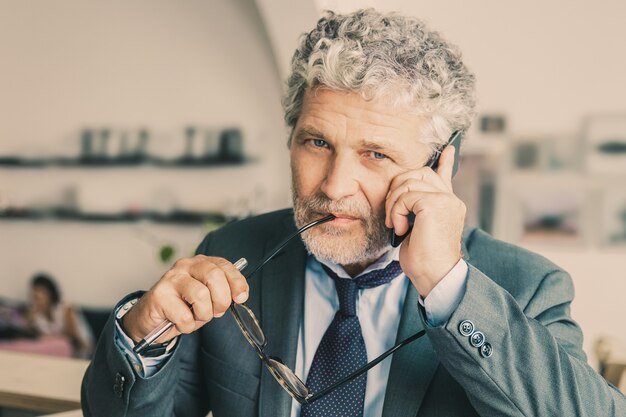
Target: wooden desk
40	383
75	413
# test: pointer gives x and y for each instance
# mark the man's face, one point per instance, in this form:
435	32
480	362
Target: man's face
345	151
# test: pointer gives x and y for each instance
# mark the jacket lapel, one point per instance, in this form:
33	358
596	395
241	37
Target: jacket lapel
413	366
282	301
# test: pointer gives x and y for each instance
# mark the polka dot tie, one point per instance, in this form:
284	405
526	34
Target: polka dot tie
342	350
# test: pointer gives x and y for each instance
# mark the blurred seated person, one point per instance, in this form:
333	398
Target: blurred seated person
48	315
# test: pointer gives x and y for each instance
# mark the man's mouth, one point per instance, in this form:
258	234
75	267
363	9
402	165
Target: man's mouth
344	216
341	218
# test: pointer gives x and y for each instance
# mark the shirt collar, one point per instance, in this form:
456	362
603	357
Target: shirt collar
392	254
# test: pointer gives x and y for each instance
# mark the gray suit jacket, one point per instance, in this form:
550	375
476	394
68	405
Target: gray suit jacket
518	300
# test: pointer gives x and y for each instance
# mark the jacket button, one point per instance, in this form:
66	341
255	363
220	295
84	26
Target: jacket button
486	350
466	328
477	339
118	387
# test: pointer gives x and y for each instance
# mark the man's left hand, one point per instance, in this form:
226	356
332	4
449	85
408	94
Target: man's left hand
434	245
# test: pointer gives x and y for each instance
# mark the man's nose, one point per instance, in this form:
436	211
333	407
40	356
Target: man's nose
340	179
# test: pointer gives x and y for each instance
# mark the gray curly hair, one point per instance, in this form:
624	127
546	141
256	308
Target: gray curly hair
390	55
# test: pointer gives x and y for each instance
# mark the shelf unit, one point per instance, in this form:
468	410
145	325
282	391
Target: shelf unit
178	218
9	162
590	195
69	214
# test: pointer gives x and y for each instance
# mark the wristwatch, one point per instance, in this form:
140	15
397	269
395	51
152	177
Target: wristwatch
155	349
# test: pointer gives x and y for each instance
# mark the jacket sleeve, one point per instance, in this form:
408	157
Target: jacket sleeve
527	361
112	388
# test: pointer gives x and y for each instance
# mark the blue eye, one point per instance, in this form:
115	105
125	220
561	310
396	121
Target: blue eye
319	143
378	155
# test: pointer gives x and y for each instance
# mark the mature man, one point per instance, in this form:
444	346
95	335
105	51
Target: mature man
372	98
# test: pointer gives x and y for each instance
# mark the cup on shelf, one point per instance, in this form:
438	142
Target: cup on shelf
133	146
211	145
87	145
231	145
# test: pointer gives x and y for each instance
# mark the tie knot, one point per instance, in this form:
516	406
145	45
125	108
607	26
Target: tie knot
347	288
379	276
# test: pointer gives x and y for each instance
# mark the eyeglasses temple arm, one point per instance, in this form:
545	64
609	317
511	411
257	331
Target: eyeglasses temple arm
284	242
366	368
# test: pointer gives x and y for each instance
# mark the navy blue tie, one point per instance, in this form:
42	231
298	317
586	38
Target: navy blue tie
342	350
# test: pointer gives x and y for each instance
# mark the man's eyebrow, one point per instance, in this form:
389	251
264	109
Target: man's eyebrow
385	146
308	131
375	146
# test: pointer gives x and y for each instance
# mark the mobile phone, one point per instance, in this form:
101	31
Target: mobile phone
433	163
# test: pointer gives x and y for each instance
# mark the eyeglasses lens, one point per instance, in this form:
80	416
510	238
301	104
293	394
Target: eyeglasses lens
250	324
287	377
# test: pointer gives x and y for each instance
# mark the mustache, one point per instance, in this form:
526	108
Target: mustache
321	204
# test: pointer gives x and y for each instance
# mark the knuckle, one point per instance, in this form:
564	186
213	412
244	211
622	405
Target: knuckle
160	291
462	206
203	295
221	262
200	262
452	201
176	279
182	263
169	275
215	276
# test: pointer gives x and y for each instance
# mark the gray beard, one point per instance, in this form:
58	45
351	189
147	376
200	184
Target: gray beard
337	245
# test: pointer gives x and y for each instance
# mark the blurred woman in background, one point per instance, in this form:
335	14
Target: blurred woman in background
48	315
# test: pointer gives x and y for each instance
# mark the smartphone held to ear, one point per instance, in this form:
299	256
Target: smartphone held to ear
433	163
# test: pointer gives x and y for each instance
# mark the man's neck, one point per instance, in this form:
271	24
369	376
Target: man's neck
358	267
355	269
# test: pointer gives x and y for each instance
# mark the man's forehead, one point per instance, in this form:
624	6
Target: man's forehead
354	104
328	112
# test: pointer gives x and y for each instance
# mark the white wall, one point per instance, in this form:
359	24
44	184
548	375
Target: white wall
160	64
545	64
285	21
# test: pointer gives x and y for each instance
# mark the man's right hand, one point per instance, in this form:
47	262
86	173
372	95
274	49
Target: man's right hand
190	294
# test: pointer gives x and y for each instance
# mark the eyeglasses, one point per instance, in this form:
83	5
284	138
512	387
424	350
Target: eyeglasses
251	329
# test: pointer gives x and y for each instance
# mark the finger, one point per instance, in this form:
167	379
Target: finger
409	185
199	297
425	174
214	279
173	332
239	287
407	203
178	312
446	166
237	283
